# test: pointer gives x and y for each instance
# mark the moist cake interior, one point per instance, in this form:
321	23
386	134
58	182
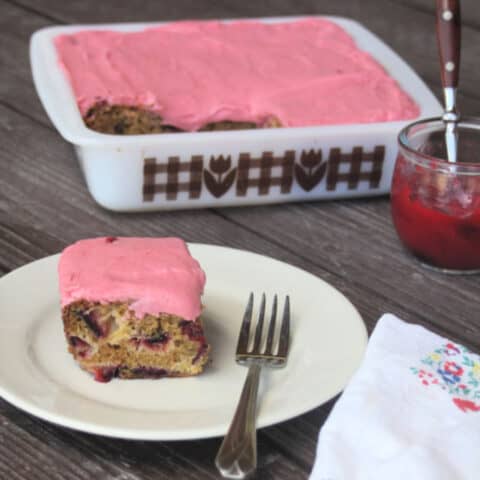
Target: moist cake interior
109	341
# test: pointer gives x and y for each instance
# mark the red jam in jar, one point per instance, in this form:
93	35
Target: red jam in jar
436	211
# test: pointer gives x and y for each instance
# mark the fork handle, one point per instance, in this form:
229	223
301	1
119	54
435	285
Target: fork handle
237	456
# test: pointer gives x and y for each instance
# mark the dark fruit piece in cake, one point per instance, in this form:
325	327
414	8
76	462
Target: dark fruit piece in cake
156	341
148	372
193	330
104	374
82	348
91	323
202	350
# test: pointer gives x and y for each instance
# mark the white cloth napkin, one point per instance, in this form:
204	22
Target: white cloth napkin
411	411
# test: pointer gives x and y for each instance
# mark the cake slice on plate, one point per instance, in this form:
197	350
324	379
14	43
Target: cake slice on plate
131	307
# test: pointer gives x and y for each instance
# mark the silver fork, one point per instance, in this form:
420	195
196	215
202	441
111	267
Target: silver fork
237	456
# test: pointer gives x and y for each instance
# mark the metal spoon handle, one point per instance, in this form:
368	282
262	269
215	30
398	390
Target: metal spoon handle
448	37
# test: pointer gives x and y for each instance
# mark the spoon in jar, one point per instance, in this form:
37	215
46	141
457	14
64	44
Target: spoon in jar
448	37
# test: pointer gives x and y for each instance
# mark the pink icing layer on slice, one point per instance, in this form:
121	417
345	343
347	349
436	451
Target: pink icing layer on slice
307	72
157	274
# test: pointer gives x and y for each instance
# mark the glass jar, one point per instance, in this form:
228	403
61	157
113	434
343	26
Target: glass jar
436	204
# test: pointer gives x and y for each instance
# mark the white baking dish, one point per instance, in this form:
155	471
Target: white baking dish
188	170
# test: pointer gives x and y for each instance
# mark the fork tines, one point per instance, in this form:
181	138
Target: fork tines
269	352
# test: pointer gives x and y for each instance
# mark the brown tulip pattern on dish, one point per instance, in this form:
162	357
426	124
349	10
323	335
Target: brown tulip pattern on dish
261	173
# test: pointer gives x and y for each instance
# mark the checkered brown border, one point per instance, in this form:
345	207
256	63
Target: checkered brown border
355	160
264	164
218	176
172	186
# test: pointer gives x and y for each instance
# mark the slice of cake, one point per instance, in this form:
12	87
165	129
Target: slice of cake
131	307
210	75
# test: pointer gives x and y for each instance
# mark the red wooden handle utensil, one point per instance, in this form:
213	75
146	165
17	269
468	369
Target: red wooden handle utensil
448	37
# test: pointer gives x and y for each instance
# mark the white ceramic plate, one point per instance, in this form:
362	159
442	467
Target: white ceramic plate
38	375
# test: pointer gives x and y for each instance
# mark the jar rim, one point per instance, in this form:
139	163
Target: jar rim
403	141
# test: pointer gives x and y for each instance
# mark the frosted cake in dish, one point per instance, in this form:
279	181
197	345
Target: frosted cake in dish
131	307
210	75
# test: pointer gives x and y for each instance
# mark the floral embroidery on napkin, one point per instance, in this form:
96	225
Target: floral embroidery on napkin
455	369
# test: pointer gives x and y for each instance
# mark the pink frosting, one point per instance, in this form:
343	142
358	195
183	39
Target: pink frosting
158	275
307	72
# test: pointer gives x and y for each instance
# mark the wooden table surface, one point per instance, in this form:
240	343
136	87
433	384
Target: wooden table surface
44	206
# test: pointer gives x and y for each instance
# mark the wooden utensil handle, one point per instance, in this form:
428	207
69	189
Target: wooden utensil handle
448	37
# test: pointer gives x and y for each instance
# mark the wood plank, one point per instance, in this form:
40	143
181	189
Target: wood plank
16	85
35	449
300	435
470	12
